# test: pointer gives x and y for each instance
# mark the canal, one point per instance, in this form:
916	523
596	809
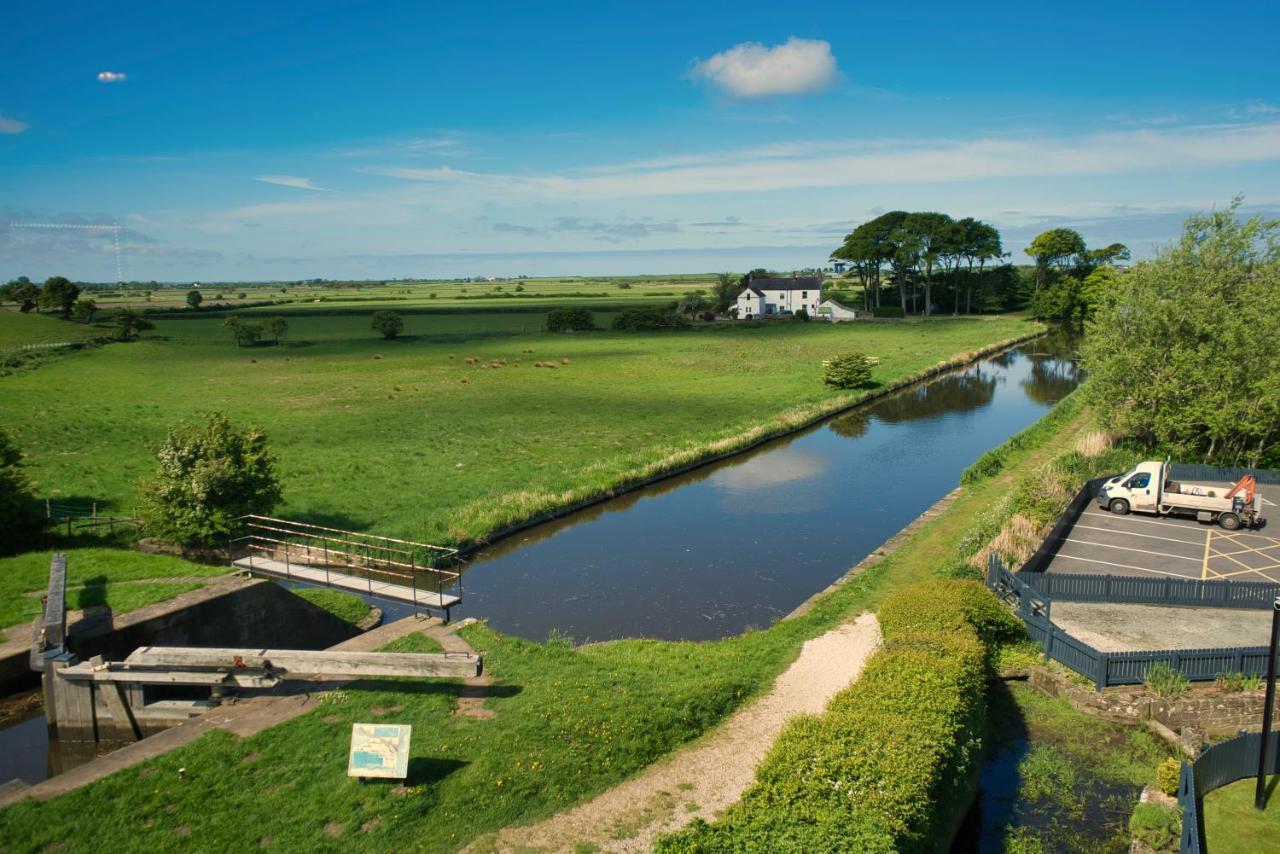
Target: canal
743	542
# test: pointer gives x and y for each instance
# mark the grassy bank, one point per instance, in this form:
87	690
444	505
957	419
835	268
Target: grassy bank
570	723
120	580
406	438
344	606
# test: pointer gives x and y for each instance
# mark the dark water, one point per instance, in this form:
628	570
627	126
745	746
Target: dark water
743	542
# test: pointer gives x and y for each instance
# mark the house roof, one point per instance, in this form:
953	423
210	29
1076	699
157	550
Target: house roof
794	283
753	290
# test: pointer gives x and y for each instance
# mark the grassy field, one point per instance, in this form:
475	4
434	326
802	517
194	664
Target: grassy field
570	722
121	580
344	606
20	330
406	438
1232	824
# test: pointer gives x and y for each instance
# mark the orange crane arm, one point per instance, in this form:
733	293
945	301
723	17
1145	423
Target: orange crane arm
1247	484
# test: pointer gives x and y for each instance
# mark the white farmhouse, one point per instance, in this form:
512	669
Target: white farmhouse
764	297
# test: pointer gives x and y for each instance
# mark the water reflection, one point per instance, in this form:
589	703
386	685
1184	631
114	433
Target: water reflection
743	542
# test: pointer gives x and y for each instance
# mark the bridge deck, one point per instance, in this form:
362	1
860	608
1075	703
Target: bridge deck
342	581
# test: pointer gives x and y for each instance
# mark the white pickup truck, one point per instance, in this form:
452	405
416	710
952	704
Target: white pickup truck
1146	488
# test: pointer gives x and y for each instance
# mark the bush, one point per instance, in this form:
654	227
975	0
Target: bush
21	518
649	318
887	311
388	323
891	762
848	370
802	315
1168	775
948	605
1157	826
206	478
1165	682
570	320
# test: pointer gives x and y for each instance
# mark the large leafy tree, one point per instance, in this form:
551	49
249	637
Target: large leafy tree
1057	247
208	476
20	516
129	323
1182	352
59	293
21	291
724	291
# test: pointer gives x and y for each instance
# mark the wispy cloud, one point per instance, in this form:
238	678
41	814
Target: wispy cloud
112	76
848	163
752	70
444	145
295	181
624	228
8	125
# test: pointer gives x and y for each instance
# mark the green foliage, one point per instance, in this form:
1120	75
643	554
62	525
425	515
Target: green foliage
649	318
887	311
1168	775
1182	351
21	519
1165	682
206	478
345	606
848	370
84	310
724	292
277	327
692	305
570	320
950	605
129	323
888	762
802	315
23	292
1054	248
245	333
387	323
1157	826
59	293
194	298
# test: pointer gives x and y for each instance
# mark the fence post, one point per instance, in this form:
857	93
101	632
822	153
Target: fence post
1100	676
1048	641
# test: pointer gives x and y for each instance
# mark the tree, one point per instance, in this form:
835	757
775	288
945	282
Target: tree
1107	255
59	293
194	298
129	323
691	305
23	292
1181	351
724	291
931	237
570	320
20	516
277	328
388	323
1054	248
206	478
245	334
84	310
848	370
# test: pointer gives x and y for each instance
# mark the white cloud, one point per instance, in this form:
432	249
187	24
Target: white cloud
850	163
111	76
12	125
751	70
1261	108
291	181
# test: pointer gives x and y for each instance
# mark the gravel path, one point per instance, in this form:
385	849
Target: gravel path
703	778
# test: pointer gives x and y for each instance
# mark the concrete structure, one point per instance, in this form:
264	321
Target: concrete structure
769	297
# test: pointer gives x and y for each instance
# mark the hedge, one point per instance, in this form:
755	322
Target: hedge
890	765
570	320
651	317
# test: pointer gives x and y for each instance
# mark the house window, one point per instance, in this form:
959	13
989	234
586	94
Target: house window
804	295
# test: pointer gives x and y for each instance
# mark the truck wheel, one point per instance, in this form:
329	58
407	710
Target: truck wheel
1119	506
1229	522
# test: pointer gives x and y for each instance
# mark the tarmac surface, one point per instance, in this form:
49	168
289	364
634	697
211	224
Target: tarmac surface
1124	627
1139	544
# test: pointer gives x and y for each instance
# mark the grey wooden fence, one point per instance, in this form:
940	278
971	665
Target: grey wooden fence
1192	471
1221	764
1034	607
1154	591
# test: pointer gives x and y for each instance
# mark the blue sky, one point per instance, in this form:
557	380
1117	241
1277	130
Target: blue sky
263	140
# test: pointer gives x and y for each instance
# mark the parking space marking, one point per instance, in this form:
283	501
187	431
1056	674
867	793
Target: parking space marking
1135	534
1120	565
1127	549
1204	570
1186	524
1266	552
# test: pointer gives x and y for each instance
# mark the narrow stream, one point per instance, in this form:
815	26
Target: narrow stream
744	542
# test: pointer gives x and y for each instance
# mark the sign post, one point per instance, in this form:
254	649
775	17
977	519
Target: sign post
379	750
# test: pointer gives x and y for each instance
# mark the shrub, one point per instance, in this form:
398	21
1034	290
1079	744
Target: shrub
206	478
387	323
848	370
194	298
1156	825
1168	775
802	315
1165	682
891	760
948	605
570	320
20	516
649	318
888	311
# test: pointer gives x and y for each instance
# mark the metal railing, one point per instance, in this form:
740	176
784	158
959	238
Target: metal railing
350	553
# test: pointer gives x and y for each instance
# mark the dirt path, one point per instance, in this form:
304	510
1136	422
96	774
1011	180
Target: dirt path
703	778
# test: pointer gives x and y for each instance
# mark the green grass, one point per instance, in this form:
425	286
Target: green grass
1232	824
344	606
570	723
122	580
399	438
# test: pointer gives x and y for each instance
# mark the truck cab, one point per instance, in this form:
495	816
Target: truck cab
1136	490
